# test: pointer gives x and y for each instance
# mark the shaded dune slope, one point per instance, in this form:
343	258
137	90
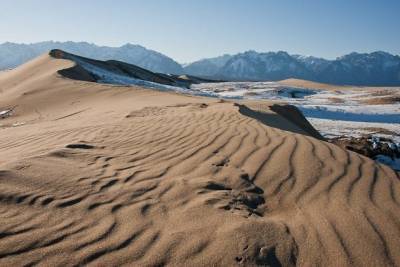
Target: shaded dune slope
138	177
116	67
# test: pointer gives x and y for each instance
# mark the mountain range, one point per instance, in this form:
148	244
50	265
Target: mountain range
12	54
376	68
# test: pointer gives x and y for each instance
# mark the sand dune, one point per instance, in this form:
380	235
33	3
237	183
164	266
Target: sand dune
316	85
104	175
310	84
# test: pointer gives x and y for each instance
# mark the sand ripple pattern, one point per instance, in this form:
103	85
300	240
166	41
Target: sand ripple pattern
194	185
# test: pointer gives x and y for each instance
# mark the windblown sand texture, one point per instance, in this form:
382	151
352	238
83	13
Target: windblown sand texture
105	175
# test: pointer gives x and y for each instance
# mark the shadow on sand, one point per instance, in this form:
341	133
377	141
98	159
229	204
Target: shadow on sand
285	117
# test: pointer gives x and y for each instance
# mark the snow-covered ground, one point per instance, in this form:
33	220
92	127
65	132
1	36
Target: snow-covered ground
336	128
327	109
353	112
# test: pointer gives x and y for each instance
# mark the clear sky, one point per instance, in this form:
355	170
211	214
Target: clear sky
188	30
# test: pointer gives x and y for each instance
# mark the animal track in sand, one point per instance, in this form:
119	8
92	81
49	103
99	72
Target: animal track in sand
80	146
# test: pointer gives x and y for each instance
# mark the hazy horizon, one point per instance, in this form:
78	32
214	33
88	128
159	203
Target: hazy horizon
191	30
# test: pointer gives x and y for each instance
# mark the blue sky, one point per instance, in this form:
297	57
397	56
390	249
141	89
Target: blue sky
188	30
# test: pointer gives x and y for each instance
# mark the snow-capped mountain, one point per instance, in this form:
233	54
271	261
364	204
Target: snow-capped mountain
208	67
251	65
377	68
12	54
316	64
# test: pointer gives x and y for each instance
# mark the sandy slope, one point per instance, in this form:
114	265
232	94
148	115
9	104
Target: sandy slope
316	85
105	176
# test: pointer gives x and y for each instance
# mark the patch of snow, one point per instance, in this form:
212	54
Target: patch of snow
5	113
367	113
18	124
254	90
110	77
336	128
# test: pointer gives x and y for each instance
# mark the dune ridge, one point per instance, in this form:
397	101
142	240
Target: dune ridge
115	176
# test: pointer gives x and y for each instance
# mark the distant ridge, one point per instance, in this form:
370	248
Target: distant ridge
368	69
364	69
12	54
